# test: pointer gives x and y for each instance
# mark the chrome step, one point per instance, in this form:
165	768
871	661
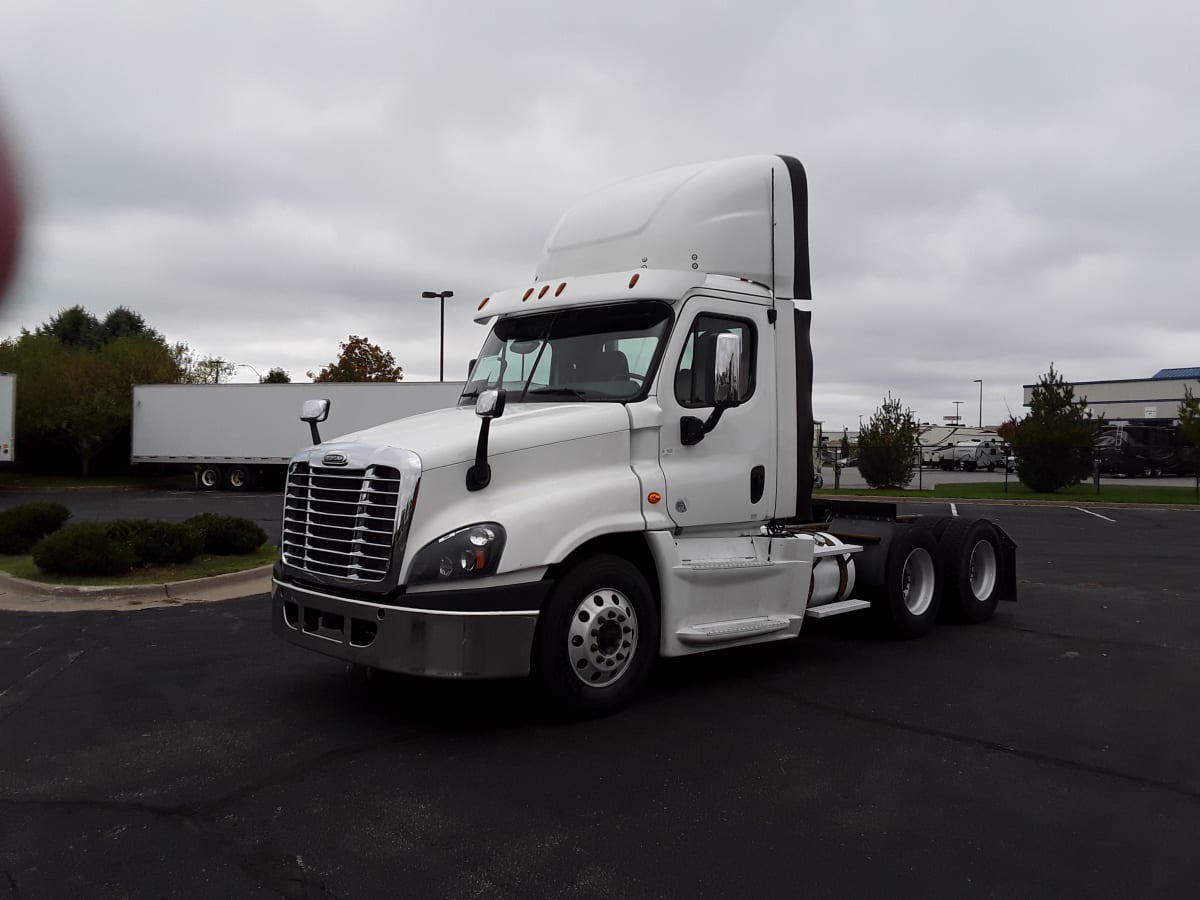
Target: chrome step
819	551
740	562
733	630
836	609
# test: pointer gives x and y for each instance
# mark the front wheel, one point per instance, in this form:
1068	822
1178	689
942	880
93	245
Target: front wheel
597	637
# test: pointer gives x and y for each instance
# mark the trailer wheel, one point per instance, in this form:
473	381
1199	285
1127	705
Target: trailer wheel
907	602
597	637
238	478
971	563
209	478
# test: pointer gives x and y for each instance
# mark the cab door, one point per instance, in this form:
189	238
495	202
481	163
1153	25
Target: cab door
727	477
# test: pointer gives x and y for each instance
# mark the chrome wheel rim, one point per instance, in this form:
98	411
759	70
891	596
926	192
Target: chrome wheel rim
208	477
917	581
982	571
602	638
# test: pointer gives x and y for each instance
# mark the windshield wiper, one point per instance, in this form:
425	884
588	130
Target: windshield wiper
564	391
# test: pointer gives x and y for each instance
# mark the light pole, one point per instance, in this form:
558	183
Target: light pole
979	381
251	368
442	295
957	418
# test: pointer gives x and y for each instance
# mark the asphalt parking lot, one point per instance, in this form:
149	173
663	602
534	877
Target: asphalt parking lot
1054	751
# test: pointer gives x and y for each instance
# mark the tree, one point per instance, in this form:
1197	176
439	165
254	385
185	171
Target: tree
276	376
124	322
887	444
1054	443
74	327
361	360
76	397
195	369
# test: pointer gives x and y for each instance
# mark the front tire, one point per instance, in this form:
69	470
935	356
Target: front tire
597	637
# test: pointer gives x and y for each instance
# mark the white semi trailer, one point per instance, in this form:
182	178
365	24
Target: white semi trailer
234	436
627	474
8	418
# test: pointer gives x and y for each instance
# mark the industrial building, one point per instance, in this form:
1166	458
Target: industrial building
1137	401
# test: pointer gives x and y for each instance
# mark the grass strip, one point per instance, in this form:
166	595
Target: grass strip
987	490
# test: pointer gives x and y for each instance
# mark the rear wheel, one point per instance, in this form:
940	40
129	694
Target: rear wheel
597	637
907	603
209	478
971	560
239	478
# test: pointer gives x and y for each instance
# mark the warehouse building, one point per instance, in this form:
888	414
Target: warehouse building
1137	401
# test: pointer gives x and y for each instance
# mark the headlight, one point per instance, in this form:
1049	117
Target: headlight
470	551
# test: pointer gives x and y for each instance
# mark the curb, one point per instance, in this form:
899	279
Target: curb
19	594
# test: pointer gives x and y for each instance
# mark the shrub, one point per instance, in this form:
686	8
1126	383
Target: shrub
1054	443
887	446
228	535
23	526
158	543
87	548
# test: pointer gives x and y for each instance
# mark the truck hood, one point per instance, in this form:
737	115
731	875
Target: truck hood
447	437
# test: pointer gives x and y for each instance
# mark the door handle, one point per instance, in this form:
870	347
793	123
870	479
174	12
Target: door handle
758	481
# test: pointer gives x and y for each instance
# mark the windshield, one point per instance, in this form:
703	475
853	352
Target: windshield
600	353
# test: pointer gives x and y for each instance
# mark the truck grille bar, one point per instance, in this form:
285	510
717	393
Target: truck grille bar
342	522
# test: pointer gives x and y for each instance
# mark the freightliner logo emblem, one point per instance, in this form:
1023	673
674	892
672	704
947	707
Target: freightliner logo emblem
334	459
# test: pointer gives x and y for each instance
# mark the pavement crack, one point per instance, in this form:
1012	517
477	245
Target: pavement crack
1032	755
1151	645
13	891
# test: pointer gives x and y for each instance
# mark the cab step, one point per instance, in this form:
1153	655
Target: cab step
738	562
733	630
825	610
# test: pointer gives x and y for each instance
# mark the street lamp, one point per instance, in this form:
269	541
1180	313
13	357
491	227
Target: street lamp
957	418
251	368
442	295
979	381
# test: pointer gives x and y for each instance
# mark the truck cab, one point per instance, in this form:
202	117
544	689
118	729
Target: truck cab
628	473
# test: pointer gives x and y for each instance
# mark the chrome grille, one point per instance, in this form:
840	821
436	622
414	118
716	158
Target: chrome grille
342	522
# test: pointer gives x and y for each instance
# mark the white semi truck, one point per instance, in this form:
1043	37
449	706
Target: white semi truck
627	474
237	436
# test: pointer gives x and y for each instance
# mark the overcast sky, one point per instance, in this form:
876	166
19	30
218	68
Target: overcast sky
993	186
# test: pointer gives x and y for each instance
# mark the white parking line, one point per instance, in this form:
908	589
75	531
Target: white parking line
953	509
1090	513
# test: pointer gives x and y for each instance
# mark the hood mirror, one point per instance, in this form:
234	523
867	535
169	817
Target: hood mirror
312	412
490	405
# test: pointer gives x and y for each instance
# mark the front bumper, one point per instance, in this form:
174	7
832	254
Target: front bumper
484	633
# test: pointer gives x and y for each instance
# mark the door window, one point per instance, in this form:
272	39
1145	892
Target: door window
694	379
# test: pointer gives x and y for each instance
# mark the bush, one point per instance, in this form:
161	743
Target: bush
228	535
158	543
887	446
87	548
23	526
1055	442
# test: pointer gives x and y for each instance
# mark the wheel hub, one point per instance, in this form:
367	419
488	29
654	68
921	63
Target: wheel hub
602	639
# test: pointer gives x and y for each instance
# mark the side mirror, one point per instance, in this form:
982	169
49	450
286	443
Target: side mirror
727	378
490	404
312	412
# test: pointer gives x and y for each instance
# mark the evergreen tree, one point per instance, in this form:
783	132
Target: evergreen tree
1054	443
276	376
887	444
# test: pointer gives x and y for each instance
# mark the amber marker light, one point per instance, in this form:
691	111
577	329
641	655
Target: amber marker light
558	290
527	293
654	496
542	292
633	280
484	302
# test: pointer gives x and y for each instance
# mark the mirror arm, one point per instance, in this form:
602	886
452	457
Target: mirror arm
692	430
316	435
479	475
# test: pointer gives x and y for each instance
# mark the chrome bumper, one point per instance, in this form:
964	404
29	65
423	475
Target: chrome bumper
470	641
